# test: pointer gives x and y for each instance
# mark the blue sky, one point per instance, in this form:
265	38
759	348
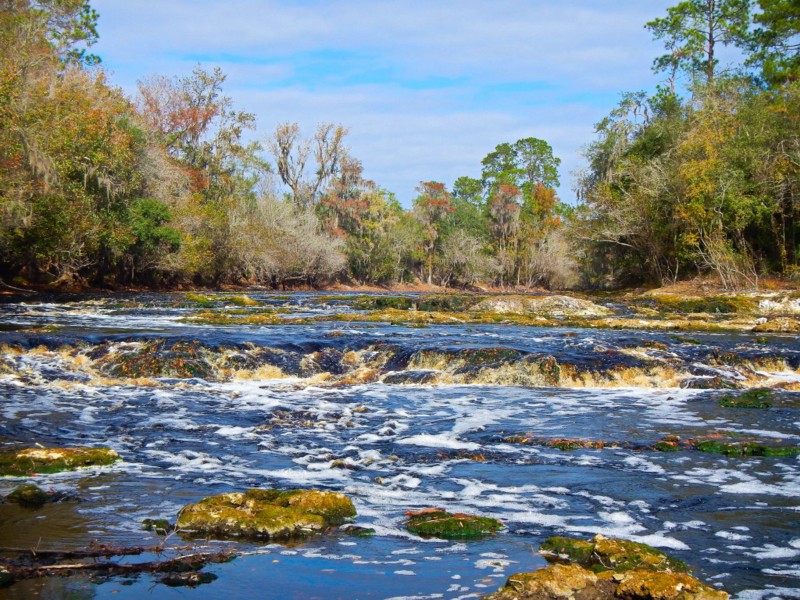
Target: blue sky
427	87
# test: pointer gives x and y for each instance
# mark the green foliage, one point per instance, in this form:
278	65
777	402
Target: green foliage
693	28
775	43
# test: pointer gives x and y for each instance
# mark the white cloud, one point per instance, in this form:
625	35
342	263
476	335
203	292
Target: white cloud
427	87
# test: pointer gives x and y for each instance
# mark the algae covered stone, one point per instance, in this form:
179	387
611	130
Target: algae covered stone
28	495
665	586
610	554
569	582
436	522
554	583
266	514
53	460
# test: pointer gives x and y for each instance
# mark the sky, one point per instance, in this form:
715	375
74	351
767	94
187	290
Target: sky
427	88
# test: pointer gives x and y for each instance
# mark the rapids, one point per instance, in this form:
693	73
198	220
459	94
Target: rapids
398	418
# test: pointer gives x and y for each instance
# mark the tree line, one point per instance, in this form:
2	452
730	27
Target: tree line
97	188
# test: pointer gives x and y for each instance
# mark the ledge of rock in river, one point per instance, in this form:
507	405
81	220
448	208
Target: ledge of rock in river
548	306
266	514
53	460
606	568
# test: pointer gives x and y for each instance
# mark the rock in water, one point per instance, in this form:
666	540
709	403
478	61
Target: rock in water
266	514
546	306
569	582
436	522
53	460
606	554
606	568
29	496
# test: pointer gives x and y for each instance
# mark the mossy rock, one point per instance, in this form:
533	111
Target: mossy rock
557	582
745	449
53	460
647	585
750	399
441	524
606	554
158	526
563	582
198	300
383	303
266	514
29	496
241	301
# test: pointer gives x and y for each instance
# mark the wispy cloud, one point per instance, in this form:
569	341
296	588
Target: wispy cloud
427	87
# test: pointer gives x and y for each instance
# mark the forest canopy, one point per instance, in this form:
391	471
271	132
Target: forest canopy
166	187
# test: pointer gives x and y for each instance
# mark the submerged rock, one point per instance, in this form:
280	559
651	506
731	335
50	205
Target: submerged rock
436	522
756	398
53	460
266	514
548	306
190	579
605	554
28	495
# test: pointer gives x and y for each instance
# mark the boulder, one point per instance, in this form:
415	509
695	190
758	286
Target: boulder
266	514
53	460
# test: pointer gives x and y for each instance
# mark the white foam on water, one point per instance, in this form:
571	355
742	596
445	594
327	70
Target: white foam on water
442	440
773	551
403	572
642	464
734	537
783	572
772	593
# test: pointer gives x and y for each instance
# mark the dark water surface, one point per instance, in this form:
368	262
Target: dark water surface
391	448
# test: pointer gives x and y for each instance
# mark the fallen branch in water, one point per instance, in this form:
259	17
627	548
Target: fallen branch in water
181	564
93	551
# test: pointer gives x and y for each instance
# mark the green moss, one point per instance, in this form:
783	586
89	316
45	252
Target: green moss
756	398
159	526
579	551
448	302
663	446
230	318
665	586
241	301
29	496
383	303
704	305
198	299
441	524
554	582
745	449
266	514
53	460
610	554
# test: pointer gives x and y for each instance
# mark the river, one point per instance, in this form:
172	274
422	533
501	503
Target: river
318	404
